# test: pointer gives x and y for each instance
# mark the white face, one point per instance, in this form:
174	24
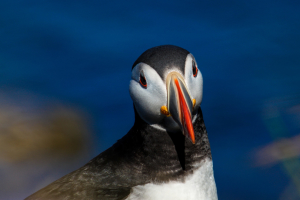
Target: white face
149	100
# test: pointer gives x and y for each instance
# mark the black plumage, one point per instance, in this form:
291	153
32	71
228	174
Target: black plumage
144	155
163	58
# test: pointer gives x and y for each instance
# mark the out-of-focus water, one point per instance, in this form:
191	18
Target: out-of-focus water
79	54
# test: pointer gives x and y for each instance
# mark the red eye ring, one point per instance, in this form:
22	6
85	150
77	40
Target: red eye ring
143	81
195	69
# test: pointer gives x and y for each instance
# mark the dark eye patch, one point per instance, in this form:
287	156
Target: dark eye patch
143	81
195	69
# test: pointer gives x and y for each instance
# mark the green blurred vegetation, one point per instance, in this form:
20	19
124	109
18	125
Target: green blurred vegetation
285	149
25	134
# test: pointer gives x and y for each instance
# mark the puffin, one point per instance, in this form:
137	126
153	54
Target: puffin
166	155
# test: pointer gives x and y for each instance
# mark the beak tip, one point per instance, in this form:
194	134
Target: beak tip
193	140
191	136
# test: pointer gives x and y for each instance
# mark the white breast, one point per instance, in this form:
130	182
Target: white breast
200	185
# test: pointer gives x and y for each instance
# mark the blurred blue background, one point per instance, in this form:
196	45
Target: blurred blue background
65	68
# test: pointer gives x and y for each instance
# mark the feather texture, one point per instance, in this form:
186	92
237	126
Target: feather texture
144	155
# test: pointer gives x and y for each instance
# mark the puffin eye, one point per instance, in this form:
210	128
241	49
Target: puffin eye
143	81
195	69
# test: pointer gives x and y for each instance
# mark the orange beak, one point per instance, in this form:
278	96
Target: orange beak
180	104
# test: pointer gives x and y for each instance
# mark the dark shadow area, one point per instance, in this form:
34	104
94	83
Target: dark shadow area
179	142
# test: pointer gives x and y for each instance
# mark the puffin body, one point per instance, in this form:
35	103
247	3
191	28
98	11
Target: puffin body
166	154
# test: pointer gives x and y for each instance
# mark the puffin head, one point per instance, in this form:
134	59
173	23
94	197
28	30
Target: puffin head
166	88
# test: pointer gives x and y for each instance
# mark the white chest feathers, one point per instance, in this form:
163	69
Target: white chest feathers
198	186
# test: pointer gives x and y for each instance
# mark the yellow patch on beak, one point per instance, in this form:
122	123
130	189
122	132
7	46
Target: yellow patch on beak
164	111
194	102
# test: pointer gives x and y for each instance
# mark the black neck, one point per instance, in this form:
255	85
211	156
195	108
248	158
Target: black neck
146	154
159	150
